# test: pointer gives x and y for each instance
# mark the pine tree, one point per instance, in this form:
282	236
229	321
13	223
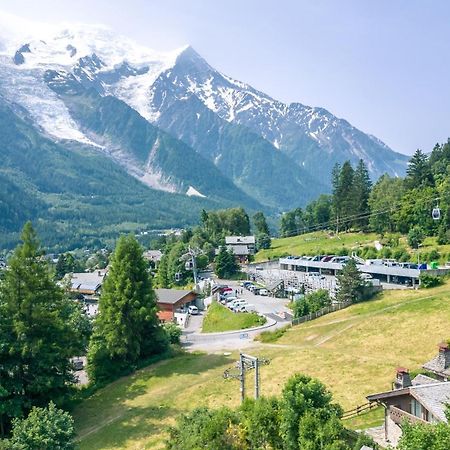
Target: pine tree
418	173
350	285
36	339
361	192
126	328
260	222
343	199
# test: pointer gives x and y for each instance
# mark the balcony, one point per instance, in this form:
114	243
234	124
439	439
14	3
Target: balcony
398	416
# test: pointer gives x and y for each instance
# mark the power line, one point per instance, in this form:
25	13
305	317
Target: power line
350	218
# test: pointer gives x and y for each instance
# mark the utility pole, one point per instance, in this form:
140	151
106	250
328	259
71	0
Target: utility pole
246	363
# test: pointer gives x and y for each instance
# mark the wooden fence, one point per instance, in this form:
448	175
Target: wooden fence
321	312
359	410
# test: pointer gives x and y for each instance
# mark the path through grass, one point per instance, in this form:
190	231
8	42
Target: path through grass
353	351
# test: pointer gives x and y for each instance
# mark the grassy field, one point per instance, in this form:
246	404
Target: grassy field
317	243
219	318
353	351
323	242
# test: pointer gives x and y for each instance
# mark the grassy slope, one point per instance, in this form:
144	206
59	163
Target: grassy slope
315	243
354	352
322	242
219	318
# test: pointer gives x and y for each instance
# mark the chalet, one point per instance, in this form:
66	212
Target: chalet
153	256
89	283
421	400
241	246
172	303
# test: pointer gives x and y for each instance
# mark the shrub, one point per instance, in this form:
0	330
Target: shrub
272	336
434	255
173	332
429	281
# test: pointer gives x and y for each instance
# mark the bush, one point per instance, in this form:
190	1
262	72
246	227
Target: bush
272	336
173	332
434	255
311	303
343	251
429	281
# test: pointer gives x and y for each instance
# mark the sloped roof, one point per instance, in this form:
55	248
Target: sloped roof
239	250
234	240
87	281
171	296
433	396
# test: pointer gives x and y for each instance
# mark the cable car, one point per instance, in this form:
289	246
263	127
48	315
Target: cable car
436	213
188	265
178	276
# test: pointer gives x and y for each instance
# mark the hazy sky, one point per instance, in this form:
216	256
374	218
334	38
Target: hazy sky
383	65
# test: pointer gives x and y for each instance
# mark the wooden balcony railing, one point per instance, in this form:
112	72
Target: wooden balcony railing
398	416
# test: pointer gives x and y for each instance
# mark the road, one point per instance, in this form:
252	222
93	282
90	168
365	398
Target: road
275	310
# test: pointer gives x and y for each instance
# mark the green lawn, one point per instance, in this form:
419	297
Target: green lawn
324	242
353	351
319	242
219	318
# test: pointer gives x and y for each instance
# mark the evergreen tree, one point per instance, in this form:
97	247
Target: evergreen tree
343	195
292	223
260	222
418	173
225	263
350	284
36	338
126	328
361	192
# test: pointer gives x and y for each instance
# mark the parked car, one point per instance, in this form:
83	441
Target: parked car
245	308
228	300
263	292
193	310
239	307
315	274
236	303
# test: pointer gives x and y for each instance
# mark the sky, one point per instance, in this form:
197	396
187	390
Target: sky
383	65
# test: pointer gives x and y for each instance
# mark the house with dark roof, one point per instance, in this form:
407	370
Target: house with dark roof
173	301
241	246
87	283
422	400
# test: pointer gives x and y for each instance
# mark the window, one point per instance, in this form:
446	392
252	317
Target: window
416	408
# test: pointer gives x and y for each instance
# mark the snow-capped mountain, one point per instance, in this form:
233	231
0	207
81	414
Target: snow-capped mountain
76	81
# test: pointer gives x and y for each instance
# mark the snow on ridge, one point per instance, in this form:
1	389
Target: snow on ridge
192	192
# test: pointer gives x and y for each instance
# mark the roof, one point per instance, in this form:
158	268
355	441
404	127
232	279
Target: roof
438	364
165	316
234	240
239	249
433	396
153	255
423	379
87	281
171	296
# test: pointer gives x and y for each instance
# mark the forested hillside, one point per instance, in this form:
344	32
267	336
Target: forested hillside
76	197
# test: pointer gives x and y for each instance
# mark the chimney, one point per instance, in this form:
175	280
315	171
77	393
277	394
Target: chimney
444	356
402	379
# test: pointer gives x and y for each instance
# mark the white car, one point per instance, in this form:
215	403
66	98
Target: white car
264	292
240	307
246	308
235	303
193	310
